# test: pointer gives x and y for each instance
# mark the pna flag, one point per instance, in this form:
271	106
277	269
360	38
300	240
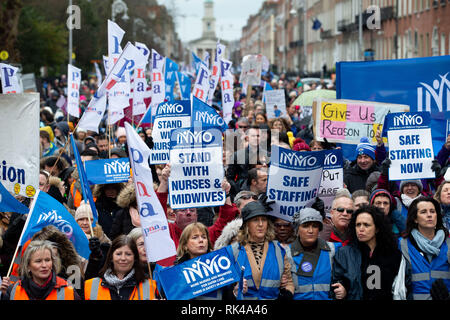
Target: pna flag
294	180
410	145
46	211
199	276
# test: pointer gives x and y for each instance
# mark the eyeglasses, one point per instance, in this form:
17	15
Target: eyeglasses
341	210
247	197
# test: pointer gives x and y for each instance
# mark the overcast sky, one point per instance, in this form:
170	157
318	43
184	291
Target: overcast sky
231	16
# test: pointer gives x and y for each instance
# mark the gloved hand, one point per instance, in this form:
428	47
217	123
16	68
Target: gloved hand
385	166
436	168
285	295
263	199
439	290
319	205
94	246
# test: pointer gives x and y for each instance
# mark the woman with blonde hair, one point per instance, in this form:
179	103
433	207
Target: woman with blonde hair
38	276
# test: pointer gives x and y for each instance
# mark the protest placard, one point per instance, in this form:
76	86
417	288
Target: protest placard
169	116
332	177
199	276
275	103
410	145
347	121
251	70
106	171
294	180
19	155
196	168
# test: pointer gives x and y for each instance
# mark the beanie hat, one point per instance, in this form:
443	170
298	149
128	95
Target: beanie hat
416	182
364	147
300	145
379	192
83	211
307	215
120	132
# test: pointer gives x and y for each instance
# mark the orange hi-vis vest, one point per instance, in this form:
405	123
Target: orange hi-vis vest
93	290
61	291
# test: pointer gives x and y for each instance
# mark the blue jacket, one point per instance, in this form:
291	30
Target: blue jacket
269	287
315	286
422	272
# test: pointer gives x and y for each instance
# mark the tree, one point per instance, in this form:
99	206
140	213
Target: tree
9	20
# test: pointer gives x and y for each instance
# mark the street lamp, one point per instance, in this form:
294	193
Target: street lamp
117	7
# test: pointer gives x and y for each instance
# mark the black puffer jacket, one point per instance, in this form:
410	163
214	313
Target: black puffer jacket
355	178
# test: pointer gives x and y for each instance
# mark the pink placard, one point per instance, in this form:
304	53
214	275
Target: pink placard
360	113
332	129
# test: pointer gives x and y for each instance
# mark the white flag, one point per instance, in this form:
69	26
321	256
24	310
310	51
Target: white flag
158	82
155	228
10	81
93	114
73	90
226	83
215	73
115	36
140	83
98	74
201	86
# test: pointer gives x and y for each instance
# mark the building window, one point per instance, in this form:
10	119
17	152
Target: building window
442	44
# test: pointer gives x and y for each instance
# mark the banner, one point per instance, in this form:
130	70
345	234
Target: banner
251	70
170	78
10	204
19	154
226	83
332	177
140	82
294	180
206	116
10	81
185	83
85	190
169	116
46	211
421	83
196	62
155	229
410	146
93	114
347	121
73	90
201	85
158	83
275	103
199	276
106	171
196	168
215	73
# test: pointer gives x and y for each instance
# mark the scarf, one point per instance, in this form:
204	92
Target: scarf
430	247
112	279
408	200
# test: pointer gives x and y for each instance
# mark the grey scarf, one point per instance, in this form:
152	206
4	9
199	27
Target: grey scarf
430	247
112	279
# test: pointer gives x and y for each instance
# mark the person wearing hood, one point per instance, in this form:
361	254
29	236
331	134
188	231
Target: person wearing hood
127	217
312	257
356	175
266	265
383	200
106	195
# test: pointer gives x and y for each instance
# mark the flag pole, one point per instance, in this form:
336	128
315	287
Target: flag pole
151	279
23	231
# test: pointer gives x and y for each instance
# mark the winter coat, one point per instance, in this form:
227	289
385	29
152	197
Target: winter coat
355	178
122	223
349	261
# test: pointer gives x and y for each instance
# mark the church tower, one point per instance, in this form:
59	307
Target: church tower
209	22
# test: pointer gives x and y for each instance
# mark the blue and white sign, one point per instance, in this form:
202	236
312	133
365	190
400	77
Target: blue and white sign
206	116
196	168
332	177
199	276
169	116
106	171
410	145
294	180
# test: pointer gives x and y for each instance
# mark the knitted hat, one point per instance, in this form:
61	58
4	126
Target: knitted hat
83	211
120	132
364	147
380	192
416	182
300	145
307	215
